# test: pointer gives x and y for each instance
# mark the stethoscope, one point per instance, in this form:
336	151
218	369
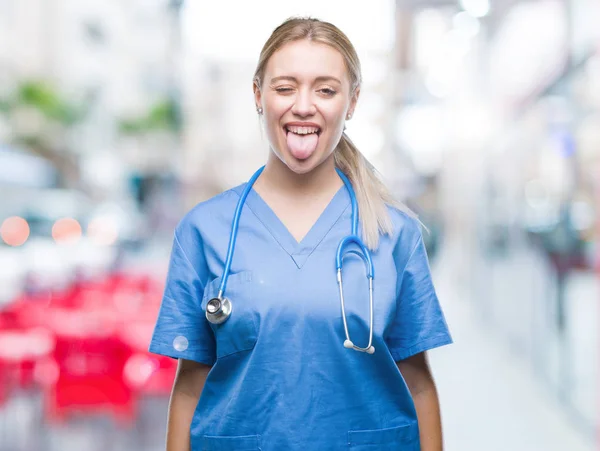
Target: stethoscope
219	309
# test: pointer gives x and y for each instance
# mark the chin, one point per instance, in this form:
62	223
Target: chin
301	166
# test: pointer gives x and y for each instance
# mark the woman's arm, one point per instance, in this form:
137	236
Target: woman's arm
187	388
417	375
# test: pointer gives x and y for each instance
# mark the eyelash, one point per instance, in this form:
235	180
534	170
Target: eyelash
330	92
326	91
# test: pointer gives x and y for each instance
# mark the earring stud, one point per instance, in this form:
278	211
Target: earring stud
349	116
259	110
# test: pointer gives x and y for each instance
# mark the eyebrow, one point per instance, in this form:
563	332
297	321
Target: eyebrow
318	79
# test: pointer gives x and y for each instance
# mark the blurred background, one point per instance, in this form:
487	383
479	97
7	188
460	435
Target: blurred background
117	116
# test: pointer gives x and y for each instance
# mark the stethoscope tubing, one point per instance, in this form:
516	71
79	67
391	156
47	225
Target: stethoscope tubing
234	230
351	239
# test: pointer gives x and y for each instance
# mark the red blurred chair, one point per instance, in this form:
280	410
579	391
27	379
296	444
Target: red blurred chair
95	354
21	350
90	360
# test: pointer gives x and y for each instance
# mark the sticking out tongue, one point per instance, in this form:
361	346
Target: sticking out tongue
302	146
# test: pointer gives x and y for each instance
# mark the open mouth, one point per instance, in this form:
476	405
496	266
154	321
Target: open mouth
302	130
302	139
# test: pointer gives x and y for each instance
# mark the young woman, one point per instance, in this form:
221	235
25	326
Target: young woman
277	349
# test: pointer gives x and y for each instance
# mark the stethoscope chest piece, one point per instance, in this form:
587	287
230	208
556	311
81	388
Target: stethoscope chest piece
218	310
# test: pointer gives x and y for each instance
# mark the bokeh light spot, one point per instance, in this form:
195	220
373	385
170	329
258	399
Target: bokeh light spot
180	343
66	230
14	231
103	231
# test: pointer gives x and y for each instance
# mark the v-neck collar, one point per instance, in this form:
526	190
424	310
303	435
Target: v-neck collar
298	251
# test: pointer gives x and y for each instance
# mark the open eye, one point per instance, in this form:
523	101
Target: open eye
328	91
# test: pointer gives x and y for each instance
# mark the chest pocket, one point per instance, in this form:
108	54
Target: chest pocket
240	331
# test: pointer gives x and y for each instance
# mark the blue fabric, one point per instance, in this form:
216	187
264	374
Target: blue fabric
282	379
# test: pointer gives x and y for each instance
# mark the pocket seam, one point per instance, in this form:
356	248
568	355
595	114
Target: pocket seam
371	440
243	276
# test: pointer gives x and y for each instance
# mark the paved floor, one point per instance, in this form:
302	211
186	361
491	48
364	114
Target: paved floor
491	400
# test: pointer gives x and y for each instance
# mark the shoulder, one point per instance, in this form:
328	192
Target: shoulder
206	214
406	242
407	228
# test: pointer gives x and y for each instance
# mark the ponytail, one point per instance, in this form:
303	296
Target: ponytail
372	195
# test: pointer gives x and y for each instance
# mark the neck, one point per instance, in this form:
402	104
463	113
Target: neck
322	179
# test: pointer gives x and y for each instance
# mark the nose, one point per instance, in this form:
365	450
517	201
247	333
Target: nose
303	104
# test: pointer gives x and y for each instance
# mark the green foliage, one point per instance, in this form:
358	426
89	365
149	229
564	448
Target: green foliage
42	97
163	116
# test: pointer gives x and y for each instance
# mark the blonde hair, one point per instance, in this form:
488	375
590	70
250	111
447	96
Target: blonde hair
372	195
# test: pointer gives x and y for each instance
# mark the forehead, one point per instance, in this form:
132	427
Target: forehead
306	60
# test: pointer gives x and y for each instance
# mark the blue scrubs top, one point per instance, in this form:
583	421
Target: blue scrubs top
281	377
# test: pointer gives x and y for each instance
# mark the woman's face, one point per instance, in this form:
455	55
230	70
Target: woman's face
305	96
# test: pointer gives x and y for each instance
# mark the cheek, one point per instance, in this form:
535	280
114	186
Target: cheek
335	125
274	111
272	125
334	114
335	122
273	130
277	105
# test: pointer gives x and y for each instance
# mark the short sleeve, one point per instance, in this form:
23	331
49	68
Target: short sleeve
181	329
419	324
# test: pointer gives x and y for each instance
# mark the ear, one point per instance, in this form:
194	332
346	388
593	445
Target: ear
353	101
257	94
